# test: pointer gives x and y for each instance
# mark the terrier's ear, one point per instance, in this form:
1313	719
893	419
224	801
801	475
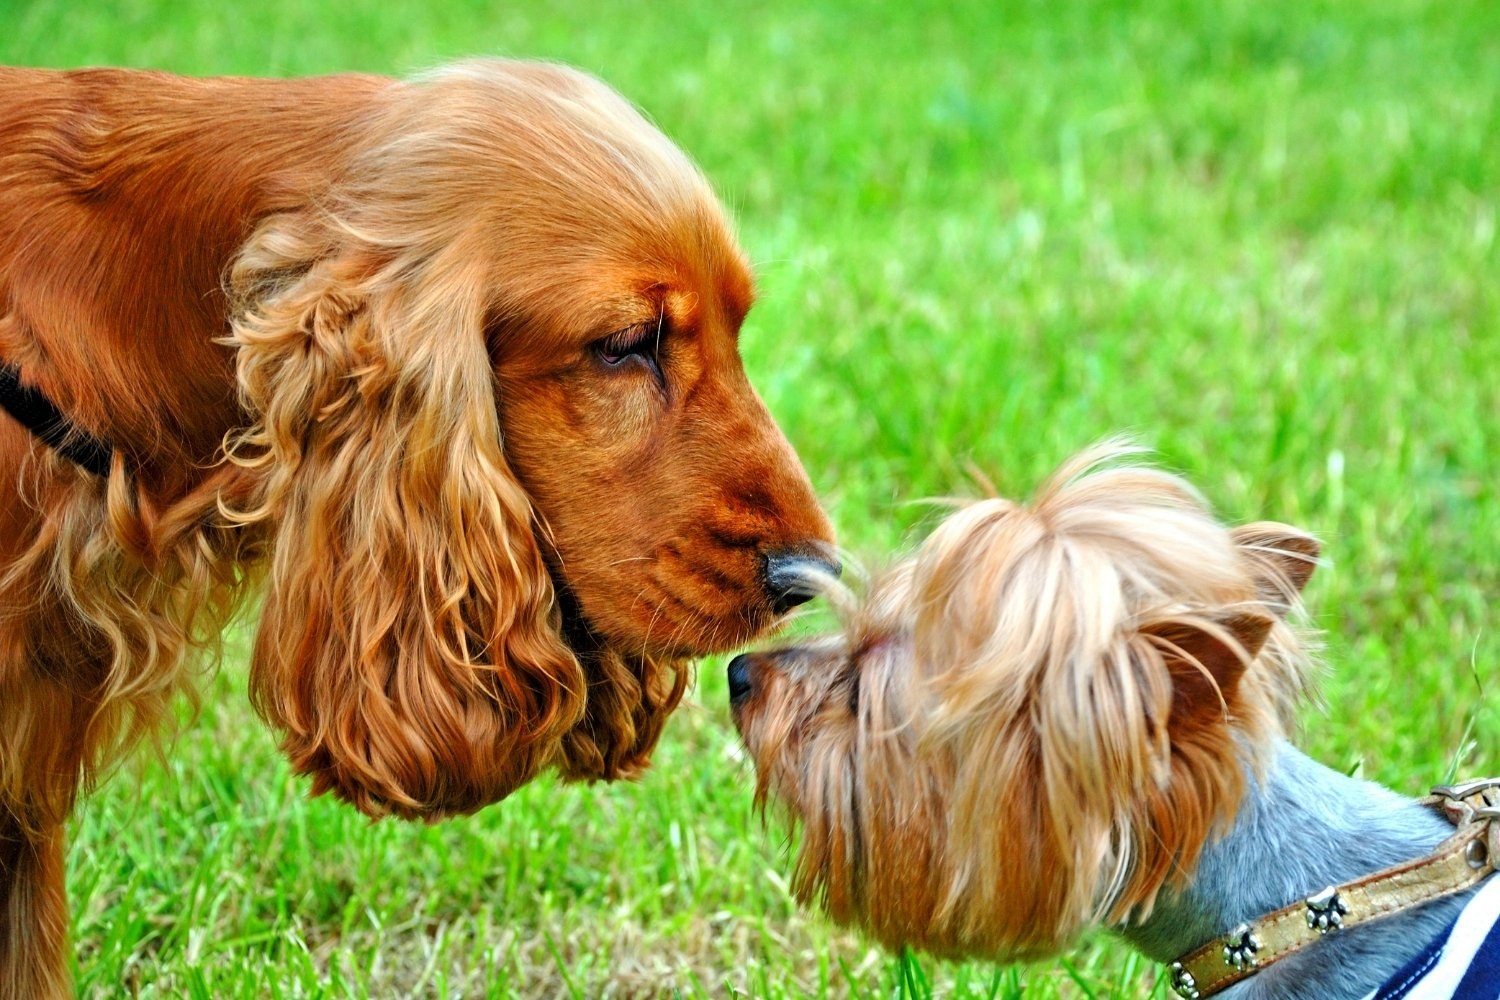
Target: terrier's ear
1284	560
1207	661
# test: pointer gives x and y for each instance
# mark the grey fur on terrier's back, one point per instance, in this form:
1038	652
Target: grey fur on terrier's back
1303	828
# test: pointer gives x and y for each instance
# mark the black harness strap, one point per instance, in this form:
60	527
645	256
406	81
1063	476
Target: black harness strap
38	414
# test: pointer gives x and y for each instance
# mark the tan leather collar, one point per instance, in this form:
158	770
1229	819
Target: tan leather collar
1460	862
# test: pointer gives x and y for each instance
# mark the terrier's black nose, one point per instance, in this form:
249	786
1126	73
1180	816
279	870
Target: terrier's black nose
792	577
739	679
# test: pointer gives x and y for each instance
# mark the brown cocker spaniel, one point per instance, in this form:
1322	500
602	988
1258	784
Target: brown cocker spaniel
447	365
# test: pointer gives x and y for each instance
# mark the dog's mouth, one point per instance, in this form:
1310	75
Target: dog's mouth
672	604
630	694
588	642
578	632
655	621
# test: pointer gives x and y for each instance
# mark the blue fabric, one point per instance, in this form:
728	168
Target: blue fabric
1412	973
1462	963
1482	981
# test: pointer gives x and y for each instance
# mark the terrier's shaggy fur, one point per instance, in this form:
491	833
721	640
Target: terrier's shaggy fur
1070	713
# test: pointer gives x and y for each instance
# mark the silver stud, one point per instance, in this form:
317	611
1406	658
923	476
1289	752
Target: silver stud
1240	946
1183	983
1326	910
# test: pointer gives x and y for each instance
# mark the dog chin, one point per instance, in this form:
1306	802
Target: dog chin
664	634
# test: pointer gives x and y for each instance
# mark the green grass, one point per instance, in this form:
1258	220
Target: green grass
1259	235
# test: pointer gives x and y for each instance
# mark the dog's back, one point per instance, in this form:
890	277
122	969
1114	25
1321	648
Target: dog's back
123	196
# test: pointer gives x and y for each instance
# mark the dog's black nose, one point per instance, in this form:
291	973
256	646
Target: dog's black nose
739	679
792	577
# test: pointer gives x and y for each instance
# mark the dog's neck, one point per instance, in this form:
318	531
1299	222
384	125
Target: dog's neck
1301	829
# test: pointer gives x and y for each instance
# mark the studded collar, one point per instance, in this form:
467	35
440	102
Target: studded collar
1462	861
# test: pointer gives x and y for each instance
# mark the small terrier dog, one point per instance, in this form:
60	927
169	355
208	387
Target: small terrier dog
1070	713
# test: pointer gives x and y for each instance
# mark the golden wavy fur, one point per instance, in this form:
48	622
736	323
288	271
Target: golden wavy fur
1035	723
451	363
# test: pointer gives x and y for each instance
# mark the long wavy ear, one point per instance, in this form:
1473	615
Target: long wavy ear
409	648
628	704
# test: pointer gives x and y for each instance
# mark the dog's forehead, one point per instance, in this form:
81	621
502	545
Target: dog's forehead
814	660
578	301
617	290
690	266
821	648
677	306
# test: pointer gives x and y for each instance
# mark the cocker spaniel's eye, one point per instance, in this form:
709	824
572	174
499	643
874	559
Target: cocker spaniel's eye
637	344
637	341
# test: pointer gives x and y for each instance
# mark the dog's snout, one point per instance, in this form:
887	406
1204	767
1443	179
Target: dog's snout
797	576
739	679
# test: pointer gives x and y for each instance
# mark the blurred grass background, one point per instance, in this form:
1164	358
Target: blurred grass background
1259	235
